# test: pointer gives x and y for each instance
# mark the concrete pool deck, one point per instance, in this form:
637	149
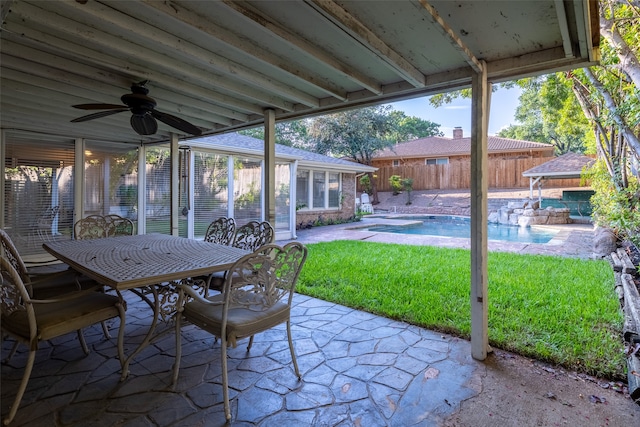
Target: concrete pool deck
573	240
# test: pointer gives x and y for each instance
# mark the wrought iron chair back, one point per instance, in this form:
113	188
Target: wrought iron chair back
221	231
118	225
253	235
98	227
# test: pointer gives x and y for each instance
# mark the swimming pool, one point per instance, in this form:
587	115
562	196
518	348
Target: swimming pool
454	226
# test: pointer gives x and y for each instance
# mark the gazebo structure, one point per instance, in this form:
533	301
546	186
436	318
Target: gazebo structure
227	65
569	165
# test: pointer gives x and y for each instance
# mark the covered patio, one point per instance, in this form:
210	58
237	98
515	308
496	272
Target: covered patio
225	66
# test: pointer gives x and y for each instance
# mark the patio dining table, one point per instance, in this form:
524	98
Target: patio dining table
149	265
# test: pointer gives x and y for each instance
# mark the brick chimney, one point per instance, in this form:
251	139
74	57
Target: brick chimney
457	132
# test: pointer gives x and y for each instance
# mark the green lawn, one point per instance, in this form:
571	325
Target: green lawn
560	310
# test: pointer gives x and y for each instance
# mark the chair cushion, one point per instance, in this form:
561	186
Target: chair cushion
60	318
46	286
241	322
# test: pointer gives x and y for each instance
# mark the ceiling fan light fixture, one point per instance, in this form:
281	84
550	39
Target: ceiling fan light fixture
144	124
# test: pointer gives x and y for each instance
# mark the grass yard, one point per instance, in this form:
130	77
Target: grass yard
560	310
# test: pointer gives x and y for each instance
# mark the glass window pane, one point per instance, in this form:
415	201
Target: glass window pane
111	180
302	189
211	195
247	190
158	191
39	199
334	190
283	196
318	190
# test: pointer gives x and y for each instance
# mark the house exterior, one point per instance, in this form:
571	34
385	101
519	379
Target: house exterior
435	150
444	163
324	187
220	175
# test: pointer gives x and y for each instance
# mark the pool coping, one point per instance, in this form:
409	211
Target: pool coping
572	240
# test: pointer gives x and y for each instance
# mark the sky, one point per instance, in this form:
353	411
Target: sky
458	113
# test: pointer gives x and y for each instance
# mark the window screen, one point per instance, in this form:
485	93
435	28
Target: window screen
247	190
38	205
210	193
158	191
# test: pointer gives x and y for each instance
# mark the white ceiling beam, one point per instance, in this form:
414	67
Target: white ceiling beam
134	52
360	32
121	25
302	45
456	41
561	13
176	12
541	62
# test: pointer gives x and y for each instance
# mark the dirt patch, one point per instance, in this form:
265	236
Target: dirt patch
513	389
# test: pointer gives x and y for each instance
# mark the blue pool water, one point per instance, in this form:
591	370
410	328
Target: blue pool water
451	226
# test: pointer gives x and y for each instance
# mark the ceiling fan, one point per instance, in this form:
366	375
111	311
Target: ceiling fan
144	114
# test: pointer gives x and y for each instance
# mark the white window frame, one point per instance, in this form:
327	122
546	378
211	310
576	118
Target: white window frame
436	161
396	163
310	206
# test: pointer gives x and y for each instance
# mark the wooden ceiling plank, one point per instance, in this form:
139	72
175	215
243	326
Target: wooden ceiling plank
109	43
363	34
196	21
302	45
137	74
456	41
118	24
216	102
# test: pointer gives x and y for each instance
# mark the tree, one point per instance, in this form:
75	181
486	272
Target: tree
292	133
609	95
354	134
409	128
549	113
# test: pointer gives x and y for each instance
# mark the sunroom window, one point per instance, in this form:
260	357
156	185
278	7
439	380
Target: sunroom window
317	190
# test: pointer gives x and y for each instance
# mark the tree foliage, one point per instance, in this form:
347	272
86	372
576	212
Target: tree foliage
296	133
354	134
548	112
609	95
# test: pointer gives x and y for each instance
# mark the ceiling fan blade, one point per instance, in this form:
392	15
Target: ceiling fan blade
99	106
99	114
144	124
176	122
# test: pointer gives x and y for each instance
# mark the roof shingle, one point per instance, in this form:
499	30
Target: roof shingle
436	146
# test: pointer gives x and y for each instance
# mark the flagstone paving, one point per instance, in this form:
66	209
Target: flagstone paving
358	369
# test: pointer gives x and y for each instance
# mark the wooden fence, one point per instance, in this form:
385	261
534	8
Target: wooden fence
503	173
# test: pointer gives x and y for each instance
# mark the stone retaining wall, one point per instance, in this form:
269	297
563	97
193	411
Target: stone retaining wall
526	212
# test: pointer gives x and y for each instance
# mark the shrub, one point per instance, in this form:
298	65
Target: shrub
395	181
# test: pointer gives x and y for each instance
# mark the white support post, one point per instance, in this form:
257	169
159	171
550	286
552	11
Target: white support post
269	188
78	179
175	180
142	194
481	90
3	149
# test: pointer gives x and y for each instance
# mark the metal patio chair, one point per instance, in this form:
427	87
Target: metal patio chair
256	297
250	237
31	321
